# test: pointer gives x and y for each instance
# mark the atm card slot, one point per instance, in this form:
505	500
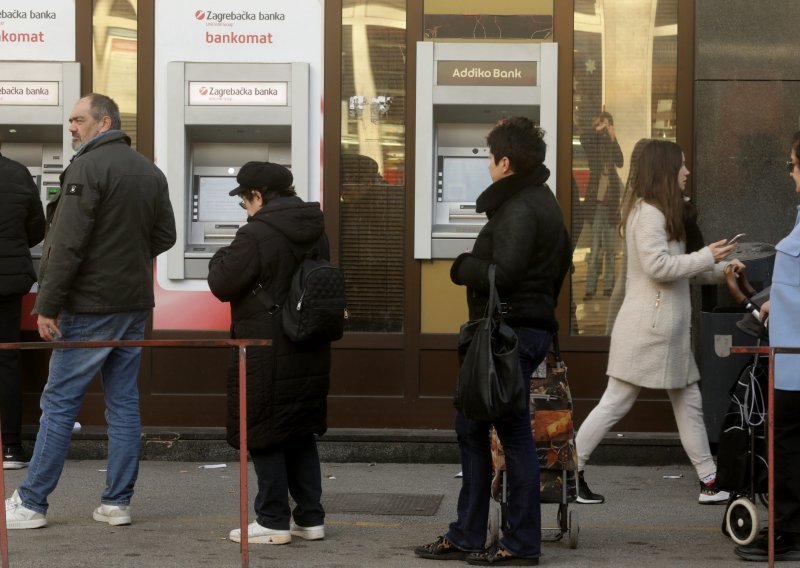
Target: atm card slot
222	235
468	217
456	231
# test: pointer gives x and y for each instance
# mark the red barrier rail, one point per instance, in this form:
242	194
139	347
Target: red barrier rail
771	352
241	344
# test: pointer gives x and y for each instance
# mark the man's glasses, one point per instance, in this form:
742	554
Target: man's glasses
242	204
790	164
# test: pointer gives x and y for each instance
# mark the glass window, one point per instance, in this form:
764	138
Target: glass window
114	52
624	90
372	192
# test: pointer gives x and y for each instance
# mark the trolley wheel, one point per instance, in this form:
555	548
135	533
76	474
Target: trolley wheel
574	529
742	521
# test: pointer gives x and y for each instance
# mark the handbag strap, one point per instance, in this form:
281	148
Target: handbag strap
493	305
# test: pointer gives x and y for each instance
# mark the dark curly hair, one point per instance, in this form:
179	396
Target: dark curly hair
520	140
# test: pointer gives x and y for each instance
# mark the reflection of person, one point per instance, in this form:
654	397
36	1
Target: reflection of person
21	227
783	308
110	219
650	343
618	293
526	238
602	195
287	384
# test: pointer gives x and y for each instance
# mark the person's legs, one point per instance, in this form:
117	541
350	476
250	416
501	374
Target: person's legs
305	481
787	462
615	403
595	251
10	376
468	531
687	405
71	371
120	372
272	500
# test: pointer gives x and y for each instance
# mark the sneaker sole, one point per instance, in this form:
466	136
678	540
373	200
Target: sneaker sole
32	524
712	500
310	535
14	465
266	539
590	501
113	521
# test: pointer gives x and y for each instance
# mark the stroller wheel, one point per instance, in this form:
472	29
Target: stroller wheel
574	529
764	498
742	521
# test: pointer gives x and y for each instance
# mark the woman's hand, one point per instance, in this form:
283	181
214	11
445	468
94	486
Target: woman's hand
720	250
762	315
735	266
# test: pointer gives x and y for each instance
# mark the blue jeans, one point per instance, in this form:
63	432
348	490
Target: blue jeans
524	534
71	372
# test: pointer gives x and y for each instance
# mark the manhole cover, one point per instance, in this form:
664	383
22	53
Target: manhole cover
382	503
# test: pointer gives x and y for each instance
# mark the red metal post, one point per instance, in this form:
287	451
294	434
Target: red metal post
243	453
3	531
771	461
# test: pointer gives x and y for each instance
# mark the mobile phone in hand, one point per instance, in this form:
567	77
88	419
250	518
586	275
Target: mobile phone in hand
735	239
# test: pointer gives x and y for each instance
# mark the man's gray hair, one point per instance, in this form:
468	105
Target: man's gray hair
102	105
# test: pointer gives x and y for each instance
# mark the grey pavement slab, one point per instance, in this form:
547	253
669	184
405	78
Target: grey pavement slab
182	515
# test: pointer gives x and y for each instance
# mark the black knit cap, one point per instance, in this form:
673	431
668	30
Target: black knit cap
262	175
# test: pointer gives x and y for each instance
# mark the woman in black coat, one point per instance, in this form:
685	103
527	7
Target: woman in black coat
287	383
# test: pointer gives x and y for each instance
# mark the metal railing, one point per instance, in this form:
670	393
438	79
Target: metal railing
241	344
771	352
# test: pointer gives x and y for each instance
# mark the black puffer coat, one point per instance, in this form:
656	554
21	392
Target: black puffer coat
526	238
287	384
21	227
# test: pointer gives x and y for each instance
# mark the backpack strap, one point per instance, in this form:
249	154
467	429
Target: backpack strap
300	254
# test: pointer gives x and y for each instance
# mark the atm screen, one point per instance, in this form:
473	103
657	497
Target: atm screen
463	178
213	201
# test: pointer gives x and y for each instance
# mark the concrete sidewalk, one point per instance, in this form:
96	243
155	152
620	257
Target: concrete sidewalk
182	515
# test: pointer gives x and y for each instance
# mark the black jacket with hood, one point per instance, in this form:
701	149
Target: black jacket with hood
287	384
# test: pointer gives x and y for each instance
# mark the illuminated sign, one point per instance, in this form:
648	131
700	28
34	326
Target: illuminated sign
29	93
207	93
486	73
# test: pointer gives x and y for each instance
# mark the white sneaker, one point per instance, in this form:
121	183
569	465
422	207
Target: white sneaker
18	516
308	533
113	514
257	534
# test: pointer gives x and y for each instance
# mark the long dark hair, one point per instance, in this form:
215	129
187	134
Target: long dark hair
656	183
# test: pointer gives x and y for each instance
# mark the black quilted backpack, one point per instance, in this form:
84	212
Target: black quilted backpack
316	306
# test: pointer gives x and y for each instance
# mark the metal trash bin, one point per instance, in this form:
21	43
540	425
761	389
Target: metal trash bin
719	313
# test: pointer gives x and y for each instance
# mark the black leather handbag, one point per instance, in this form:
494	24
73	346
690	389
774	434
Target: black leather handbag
489	385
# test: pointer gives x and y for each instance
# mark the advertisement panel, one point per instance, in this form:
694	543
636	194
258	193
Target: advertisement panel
230	31
37	30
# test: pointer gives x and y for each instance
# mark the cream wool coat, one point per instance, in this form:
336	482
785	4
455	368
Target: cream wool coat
650	341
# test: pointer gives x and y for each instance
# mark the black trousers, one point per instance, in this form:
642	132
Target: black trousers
10	376
787	461
291	468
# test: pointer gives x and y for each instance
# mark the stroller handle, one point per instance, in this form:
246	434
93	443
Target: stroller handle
737	281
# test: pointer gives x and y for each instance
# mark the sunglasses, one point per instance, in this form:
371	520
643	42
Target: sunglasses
242	204
791	165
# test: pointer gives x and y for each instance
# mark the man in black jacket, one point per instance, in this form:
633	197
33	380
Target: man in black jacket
21	227
110	219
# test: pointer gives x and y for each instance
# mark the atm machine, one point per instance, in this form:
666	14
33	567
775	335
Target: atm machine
220	116
35	101
463	89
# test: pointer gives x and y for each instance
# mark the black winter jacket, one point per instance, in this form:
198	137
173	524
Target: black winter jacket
110	219
287	384
527	240
21	227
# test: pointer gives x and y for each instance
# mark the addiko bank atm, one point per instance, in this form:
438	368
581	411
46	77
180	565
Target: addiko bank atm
220	116
463	89
35	101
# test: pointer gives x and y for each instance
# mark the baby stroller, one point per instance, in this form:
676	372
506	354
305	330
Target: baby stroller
554	436
741	455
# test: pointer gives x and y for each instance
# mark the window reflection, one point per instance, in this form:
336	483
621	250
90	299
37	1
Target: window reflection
372	190
624	90
114	57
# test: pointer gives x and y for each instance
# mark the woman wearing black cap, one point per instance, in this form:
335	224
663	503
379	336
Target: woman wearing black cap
287	384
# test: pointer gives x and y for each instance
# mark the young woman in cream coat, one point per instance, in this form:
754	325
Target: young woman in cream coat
650	341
